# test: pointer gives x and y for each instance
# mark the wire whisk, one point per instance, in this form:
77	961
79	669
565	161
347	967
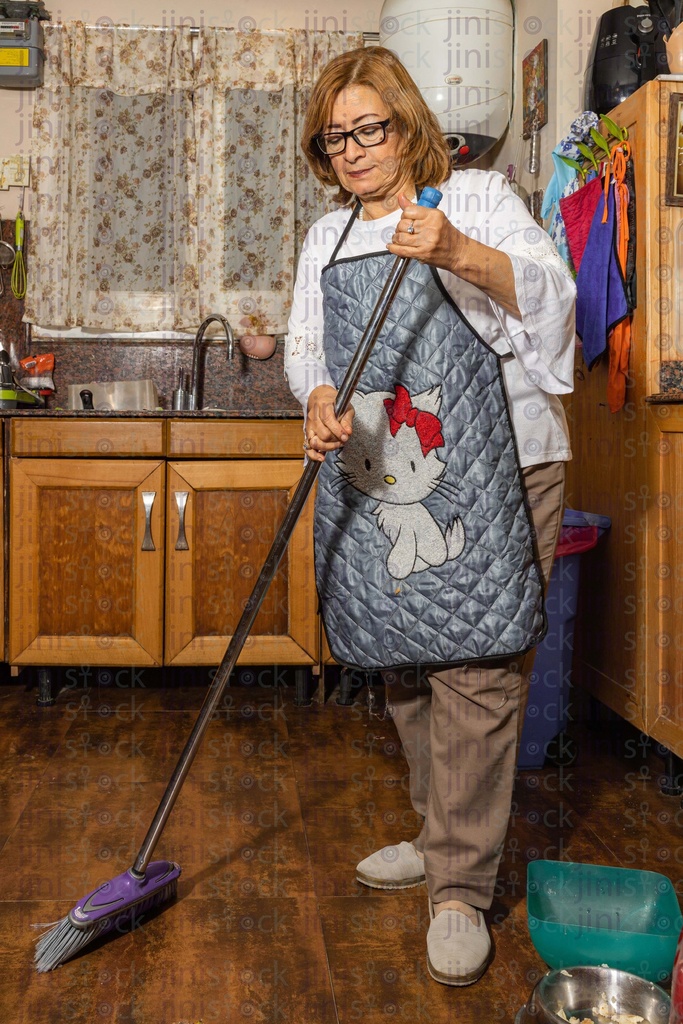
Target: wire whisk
18	278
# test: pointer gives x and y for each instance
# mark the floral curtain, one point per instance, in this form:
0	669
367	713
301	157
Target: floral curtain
168	181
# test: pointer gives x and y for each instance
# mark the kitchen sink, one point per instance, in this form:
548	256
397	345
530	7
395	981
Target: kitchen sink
117	395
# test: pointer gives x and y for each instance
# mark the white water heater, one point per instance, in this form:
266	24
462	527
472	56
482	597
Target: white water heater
461	59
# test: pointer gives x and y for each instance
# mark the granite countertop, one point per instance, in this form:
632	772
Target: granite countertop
665	397
155	414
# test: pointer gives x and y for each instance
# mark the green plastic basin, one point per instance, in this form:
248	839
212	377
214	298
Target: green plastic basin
592	915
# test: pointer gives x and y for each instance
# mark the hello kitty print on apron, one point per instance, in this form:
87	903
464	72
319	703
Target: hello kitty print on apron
392	456
424	551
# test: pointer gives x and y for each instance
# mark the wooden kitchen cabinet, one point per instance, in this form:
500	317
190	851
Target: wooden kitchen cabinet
4	549
662	671
629	466
231	482
121	555
223	517
86	562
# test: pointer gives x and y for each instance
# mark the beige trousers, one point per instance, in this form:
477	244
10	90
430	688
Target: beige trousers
460	729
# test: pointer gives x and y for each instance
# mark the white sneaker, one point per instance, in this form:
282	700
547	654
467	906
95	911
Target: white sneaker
392	867
457	950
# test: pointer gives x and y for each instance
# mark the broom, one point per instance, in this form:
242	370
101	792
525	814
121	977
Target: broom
118	905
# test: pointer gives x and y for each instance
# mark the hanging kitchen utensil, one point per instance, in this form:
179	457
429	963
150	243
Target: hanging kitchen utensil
6	259
18	279
534	147
512	173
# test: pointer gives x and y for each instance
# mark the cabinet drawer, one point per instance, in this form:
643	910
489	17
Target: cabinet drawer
252	439
97	437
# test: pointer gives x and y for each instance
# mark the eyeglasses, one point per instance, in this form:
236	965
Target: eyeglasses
333	143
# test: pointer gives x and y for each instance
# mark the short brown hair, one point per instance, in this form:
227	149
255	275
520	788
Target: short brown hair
425	156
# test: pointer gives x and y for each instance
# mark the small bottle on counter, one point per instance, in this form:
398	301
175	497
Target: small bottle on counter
179	397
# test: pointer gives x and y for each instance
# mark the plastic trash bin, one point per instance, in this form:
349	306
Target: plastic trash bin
547	710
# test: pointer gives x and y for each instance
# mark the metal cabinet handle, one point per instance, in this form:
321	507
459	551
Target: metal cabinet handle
181	501
148	501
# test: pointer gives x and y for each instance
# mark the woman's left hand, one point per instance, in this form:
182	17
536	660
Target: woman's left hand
426	235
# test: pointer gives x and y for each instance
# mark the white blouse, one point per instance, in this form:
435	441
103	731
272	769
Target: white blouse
536	349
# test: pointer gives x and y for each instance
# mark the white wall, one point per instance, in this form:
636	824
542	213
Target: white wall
568	29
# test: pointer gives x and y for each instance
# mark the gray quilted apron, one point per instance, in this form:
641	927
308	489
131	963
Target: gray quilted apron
424	550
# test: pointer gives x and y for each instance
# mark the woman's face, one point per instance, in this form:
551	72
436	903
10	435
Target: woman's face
364	172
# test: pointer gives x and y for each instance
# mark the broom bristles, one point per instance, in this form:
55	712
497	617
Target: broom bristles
65	939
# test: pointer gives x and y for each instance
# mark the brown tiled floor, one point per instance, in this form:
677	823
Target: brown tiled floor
270	924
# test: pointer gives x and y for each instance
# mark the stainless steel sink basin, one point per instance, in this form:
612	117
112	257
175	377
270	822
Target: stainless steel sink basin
116	395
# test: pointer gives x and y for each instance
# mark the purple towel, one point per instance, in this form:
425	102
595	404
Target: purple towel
600	291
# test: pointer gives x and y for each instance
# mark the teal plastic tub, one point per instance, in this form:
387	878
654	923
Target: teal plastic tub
592	915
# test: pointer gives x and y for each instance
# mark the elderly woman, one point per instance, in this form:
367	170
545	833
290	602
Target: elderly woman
441	495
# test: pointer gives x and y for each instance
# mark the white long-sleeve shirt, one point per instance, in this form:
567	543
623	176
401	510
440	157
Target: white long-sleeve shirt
536	349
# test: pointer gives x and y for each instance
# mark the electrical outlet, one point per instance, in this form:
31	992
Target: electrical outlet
14	171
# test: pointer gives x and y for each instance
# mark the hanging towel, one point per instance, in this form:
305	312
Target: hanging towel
620	337
577	213
600	293
630	272
579	131
564	180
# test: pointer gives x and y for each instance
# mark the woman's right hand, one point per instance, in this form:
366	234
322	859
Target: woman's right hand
324	432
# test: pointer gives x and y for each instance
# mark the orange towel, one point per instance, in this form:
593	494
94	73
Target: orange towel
619	340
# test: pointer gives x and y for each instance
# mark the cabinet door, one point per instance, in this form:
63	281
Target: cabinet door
86	562
663	597
222	518
607	475
3	549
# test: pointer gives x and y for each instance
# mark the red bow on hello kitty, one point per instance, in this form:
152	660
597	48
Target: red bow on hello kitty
401	410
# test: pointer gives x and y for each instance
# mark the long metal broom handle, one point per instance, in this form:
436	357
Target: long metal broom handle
429	197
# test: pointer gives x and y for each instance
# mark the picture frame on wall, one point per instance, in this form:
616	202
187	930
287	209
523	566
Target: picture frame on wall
673	195
535	89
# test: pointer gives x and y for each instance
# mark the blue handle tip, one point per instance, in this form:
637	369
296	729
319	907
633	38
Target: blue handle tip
430	197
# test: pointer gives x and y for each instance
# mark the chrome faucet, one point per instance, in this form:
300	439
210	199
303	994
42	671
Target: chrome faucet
193	396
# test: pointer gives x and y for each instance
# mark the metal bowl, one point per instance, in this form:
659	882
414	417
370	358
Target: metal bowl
576	990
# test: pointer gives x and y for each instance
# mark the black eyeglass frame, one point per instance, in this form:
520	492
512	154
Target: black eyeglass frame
352	135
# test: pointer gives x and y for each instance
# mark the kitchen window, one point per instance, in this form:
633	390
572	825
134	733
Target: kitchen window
168	181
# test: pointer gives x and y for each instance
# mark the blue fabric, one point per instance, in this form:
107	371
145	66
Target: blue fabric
579	131
563	175
600	291
565	178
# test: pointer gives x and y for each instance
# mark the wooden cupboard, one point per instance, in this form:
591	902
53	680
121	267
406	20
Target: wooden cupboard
663	655
86	561
137	542
628	466
4	520
222	519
